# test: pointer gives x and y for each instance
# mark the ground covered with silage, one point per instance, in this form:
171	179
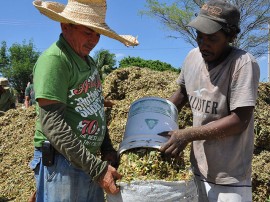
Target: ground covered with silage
124	86
16	150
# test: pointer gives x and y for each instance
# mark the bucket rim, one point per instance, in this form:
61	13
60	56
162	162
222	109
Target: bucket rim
141	141
157	98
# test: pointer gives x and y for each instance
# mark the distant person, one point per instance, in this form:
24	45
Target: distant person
71	126
220	82
29	93
7	97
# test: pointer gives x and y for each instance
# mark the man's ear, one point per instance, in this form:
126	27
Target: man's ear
63	26
232	36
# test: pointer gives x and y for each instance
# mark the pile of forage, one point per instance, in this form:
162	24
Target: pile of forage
150	164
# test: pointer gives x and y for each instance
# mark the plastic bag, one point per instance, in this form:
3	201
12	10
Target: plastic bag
156	191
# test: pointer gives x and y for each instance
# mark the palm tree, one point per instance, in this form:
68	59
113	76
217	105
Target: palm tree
105	62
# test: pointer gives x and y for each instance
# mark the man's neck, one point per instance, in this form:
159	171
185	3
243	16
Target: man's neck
212	65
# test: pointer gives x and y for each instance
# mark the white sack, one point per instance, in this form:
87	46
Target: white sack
156	191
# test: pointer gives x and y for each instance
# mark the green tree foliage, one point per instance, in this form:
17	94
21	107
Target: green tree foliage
255	16
17	62
4	60
105	62
151	64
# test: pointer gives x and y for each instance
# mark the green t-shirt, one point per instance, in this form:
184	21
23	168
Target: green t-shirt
7	99
61	75
29	91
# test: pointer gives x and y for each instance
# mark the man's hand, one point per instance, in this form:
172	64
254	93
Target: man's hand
107	180
176	143
108	103
110	156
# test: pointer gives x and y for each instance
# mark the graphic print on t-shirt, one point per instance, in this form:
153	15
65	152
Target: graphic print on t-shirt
200	105
90	108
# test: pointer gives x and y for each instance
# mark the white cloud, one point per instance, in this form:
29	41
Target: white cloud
119	55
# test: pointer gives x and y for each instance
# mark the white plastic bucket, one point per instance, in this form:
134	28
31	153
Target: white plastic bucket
147	117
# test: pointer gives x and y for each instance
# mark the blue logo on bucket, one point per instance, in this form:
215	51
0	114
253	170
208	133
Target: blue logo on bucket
151	123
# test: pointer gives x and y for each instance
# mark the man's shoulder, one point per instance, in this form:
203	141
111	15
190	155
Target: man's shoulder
193	55
240	54
53	55
195	52
53	50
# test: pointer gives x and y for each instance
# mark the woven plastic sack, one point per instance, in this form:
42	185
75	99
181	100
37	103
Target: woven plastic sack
156	191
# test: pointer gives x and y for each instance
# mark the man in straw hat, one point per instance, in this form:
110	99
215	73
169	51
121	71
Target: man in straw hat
71	128
7	97
220	82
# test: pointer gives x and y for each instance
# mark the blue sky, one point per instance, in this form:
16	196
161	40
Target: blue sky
20	20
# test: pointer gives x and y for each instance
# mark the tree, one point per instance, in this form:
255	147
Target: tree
17	62
105	62
151	64
255	15
4	60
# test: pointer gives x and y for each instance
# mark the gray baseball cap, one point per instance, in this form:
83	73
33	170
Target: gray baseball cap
213	15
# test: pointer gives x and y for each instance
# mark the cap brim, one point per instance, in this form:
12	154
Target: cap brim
205	25
5	87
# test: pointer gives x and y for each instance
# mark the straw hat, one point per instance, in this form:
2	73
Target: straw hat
90	13
4	83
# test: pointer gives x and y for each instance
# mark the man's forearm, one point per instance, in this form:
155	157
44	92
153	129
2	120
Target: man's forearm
26	102
66	141
179	98
233	124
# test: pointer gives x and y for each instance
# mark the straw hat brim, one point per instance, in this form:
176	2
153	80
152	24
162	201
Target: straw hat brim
53	10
